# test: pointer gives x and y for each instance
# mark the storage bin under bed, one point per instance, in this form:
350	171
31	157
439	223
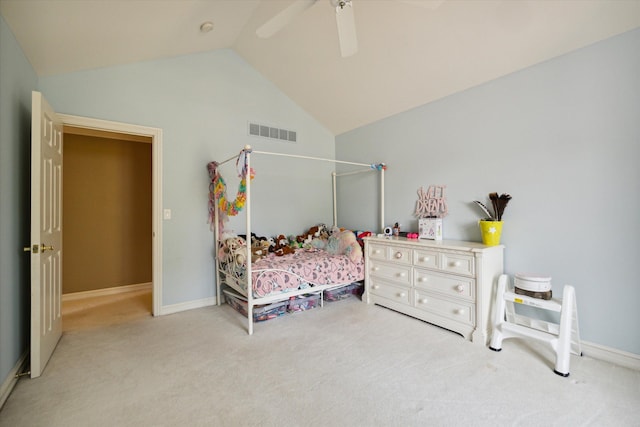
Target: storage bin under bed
303	302
337	294
260	312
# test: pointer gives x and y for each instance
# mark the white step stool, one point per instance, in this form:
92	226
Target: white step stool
563	338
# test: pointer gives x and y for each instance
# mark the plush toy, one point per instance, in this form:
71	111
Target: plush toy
282	246
272	244
233	251
318	243
344	242
308	235
259	248
323	232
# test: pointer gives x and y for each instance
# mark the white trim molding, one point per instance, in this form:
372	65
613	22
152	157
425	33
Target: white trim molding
188	305
612	355
156	159
106	291
12	378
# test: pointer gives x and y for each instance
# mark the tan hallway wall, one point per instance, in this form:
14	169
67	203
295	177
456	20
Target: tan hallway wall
107	213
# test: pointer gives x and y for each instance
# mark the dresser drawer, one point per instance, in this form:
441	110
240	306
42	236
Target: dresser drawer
397	254
459	287
427	259
458	263
398	273
393	293
459	311
377	252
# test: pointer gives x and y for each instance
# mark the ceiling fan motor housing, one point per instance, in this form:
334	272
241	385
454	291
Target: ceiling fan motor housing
340	3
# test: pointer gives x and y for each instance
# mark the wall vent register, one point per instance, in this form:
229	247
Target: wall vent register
279	134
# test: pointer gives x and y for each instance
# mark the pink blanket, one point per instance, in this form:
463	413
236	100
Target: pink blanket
301	269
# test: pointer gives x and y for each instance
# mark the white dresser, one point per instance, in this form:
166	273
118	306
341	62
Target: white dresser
448	283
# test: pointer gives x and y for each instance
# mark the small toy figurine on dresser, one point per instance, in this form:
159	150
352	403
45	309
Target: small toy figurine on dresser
396	229
431	207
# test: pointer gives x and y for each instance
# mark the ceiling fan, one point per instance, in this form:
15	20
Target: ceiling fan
344	19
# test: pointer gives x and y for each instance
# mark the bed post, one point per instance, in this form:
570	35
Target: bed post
335	203
381	200
216	245
247	156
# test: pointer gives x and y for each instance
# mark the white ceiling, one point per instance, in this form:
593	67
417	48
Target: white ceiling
409	54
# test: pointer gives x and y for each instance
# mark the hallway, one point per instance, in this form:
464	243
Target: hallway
93	312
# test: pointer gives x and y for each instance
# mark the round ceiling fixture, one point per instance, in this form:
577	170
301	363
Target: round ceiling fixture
205	27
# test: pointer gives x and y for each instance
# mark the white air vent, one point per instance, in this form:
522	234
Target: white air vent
264	131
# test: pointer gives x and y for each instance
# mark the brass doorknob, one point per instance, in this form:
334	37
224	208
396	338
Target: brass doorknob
44	247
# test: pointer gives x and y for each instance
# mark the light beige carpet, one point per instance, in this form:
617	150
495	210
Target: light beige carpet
347	364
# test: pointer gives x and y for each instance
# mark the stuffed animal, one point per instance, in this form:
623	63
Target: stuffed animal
308	235
313	238
318	243
323	232
259	248
344	242
282	246
233	251
272	244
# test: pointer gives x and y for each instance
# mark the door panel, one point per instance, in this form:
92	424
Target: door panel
46	232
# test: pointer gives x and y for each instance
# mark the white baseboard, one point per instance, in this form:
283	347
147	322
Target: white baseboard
10	382
189	305
612	355
106	291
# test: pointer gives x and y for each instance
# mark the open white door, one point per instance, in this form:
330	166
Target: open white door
46	232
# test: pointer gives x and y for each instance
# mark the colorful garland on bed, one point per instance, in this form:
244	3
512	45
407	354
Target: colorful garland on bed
218	191
231	208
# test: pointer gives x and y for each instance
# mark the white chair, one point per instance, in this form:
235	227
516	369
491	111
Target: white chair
564	338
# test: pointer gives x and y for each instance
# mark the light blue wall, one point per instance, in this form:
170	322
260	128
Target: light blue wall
17	80
203	104
563	138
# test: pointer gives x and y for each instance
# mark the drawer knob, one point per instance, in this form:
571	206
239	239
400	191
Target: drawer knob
402	294
424	259
423	279
423	300
398	255
460	288
460	311
456	264
376	286
377	251
402	274
375	269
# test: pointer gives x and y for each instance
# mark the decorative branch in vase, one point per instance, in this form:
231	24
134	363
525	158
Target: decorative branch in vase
499	204
491	226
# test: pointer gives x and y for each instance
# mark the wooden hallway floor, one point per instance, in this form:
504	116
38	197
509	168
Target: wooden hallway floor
93	312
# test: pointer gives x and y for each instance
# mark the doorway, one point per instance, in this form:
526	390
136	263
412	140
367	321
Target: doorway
107	211
137	268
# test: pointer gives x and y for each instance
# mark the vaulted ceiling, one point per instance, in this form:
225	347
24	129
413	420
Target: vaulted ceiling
410	52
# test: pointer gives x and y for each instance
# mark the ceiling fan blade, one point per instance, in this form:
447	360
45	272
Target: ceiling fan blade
283	18
346	29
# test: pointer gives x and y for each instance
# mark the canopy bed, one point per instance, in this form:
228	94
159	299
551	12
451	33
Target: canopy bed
326	259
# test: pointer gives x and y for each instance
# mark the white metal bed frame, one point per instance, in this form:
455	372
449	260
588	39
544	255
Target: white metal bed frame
233	282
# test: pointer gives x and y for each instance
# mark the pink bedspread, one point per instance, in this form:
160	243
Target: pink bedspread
301	269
